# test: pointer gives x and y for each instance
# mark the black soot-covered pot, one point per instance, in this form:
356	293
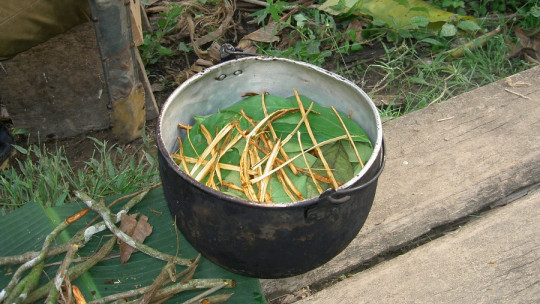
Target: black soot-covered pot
267	240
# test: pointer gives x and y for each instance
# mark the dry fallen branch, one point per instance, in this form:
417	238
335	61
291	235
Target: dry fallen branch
105	213
193	284
471	45
18	288
74	272
23	289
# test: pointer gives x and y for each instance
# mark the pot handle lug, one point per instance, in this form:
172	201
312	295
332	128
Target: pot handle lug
340	196
332	197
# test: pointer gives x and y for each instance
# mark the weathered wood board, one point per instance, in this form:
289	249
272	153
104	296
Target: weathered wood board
494	259
444	162
57	89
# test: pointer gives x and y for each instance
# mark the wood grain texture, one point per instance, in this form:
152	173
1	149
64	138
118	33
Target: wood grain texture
444	162
494	259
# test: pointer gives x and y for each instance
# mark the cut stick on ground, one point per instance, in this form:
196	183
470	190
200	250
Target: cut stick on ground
319	189
351	141
517	94
75	271
83	235
314	140
61	274
204	294
77	294
159	281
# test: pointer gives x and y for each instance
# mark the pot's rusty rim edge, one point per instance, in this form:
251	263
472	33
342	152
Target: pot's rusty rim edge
377	147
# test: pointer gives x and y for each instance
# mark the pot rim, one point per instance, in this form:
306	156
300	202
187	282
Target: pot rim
377	147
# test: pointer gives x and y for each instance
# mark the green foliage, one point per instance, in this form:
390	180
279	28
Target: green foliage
413	69
42	178
422	81
46	177
115	171
152	49
315	34
273	9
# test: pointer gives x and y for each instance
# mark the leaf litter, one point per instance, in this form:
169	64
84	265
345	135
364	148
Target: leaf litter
271	149
138	229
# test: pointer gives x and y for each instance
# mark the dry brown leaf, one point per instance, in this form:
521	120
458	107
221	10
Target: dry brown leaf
358	27
137	229
265	34
529	45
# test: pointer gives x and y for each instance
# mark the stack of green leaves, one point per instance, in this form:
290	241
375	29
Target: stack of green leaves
269	135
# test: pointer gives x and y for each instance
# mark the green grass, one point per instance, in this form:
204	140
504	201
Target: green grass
46	177
413	67
421	82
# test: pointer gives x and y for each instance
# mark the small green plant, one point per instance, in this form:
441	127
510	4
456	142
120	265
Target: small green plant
152	49
315	34
273	9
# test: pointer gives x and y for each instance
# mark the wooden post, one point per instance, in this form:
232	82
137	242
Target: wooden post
113	26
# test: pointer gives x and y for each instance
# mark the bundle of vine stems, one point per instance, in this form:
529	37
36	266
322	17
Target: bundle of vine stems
274	150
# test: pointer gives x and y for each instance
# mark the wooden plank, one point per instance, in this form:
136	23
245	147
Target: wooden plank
136	22
493	259
443	163
152	110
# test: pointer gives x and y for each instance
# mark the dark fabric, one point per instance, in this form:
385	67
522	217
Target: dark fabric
26	23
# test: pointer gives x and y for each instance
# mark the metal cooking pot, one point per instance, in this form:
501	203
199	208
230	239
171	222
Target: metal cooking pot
267	240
